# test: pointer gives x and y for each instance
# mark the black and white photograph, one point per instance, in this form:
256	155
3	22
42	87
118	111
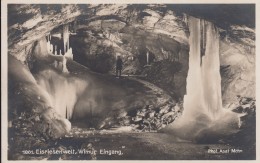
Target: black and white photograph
128	81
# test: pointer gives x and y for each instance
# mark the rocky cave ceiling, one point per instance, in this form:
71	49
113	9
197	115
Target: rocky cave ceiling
30	22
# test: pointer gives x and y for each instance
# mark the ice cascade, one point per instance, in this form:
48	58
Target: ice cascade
203	114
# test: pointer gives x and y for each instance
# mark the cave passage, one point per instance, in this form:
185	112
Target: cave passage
186	91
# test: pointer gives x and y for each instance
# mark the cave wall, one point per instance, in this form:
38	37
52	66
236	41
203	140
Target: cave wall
237	71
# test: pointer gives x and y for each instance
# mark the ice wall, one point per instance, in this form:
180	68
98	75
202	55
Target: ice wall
63	90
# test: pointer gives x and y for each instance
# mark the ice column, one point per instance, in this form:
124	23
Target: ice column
67	48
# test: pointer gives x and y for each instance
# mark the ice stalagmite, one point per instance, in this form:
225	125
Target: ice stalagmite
203	114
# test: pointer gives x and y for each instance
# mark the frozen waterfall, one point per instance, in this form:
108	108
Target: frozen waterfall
203	81
203	114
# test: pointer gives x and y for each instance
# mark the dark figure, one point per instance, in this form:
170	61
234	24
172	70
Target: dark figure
119	65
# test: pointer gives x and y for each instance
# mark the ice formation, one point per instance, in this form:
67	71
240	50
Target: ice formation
203	113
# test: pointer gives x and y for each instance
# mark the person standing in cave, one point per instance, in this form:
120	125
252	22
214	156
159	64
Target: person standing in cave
119	66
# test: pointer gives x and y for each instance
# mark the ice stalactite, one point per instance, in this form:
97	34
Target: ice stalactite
53	49
67	50
49	45
49	49
203	114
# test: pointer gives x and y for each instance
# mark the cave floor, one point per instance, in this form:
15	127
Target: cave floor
127	145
